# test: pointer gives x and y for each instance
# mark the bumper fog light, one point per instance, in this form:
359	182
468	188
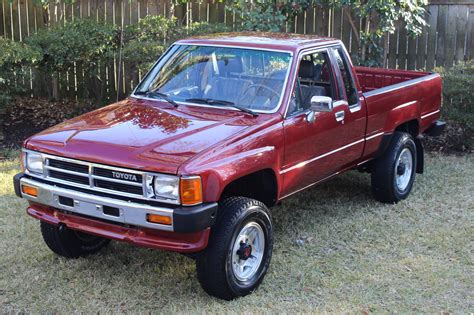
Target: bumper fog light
29	190
159	219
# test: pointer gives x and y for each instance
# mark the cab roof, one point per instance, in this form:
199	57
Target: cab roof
264	40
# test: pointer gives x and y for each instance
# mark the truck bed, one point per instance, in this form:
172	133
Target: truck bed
394	97
376	78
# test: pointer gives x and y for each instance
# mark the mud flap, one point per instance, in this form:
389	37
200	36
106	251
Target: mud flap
420	156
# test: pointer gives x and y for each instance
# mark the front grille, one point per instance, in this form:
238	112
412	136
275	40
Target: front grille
80	168
69	177
126	176
102	178
118	187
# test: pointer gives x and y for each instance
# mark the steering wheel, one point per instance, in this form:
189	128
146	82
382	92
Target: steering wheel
259	86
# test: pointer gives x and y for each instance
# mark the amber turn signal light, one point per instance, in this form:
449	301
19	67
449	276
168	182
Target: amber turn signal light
190	190
159	219
29	190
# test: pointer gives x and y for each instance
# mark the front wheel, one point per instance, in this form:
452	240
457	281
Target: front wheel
394	172
239	251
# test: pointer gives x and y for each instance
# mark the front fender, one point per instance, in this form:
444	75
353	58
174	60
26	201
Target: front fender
261	148
220	173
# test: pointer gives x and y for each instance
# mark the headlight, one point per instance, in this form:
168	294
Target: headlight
34	162
167	186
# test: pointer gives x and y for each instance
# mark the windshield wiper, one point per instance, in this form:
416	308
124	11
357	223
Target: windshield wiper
211	101
154	94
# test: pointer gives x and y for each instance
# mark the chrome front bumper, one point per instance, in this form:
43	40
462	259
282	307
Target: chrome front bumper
186	219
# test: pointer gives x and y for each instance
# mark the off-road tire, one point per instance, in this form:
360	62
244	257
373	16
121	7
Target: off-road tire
69	243
214	265
384	185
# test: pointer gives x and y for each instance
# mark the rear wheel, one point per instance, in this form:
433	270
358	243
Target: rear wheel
69	243
393	173
239	251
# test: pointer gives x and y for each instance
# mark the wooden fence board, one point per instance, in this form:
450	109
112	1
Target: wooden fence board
2	19
300	23
441	42
402	48
411	52
337	24
450	44
431	45
309	16
470	37
213	13
421	52
461	32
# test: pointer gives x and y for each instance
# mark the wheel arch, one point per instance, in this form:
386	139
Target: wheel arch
261	185
411	127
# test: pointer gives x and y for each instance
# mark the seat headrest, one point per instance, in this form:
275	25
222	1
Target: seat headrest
306	69
232	66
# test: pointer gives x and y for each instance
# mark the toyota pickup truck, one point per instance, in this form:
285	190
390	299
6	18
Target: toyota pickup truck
222	128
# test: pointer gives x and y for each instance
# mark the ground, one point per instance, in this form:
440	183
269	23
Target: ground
336	250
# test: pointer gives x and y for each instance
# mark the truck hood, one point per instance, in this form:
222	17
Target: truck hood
141	134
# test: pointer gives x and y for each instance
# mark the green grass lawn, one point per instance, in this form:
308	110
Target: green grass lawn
336	250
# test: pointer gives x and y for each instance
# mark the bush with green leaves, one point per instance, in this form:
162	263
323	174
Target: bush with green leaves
16	60
145	41
79	45
378	19
458	93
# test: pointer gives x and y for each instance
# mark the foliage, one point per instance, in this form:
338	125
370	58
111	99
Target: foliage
458	94
15	60
82	43
145	41
379	19
259	16
457	109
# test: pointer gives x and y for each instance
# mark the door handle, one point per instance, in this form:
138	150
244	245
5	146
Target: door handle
340	116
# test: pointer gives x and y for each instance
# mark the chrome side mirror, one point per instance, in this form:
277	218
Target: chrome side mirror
318	104
321	104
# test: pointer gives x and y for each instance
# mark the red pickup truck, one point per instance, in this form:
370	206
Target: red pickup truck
221	129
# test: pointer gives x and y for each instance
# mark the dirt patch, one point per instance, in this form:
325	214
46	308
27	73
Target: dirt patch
25	116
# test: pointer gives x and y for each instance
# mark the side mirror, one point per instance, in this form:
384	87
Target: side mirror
321	104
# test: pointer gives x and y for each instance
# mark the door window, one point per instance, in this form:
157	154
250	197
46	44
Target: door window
346	74
314	79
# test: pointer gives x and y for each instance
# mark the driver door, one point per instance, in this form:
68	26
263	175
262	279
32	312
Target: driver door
317	149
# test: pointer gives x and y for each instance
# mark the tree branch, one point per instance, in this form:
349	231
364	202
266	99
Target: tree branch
353	26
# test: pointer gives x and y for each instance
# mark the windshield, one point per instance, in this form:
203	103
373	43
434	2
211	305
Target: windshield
220	76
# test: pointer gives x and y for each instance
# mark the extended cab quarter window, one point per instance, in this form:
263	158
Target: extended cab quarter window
348	81
314	79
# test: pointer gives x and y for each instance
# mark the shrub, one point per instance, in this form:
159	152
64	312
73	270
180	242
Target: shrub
458	106
458	93
15	60
84	44
145	41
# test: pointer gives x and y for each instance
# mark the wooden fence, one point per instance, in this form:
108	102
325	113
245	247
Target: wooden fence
448	39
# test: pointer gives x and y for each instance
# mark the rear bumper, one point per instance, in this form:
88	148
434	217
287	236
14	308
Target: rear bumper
436	129
118	219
